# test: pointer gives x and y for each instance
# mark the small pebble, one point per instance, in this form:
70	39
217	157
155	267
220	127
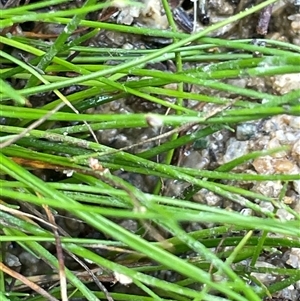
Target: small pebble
207	197
285	83
283	165
130	225
235	149
295	122
28	259
245	131
266	207
284	215
263	165
262	277
12	260
294	258
296	152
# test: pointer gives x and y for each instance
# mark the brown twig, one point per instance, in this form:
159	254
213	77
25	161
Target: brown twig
60	255
27	282
264	20
25	216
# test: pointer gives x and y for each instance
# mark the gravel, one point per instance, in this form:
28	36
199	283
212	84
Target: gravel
223	146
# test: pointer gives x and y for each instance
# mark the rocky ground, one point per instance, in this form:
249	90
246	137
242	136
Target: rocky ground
222	146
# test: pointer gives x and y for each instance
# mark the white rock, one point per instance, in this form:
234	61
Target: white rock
294	258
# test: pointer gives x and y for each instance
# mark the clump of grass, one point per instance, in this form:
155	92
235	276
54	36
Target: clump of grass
33	139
